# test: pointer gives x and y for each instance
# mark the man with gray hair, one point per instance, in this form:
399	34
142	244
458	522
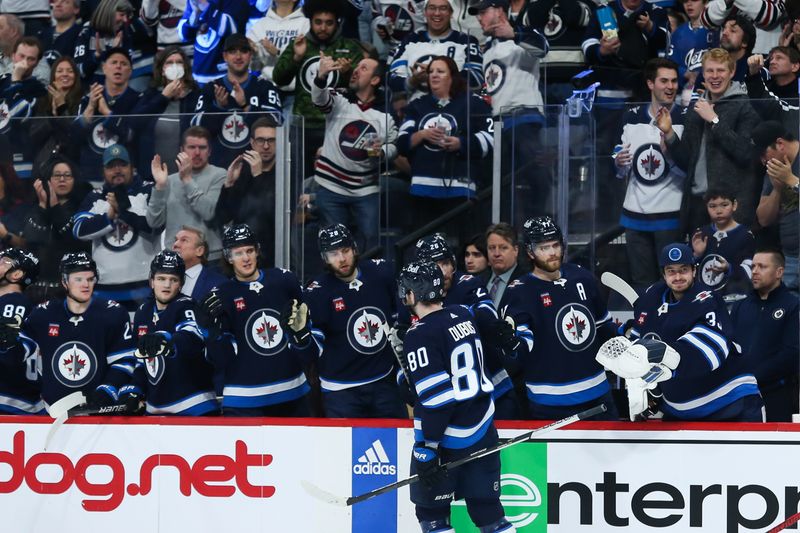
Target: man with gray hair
192	246
12	29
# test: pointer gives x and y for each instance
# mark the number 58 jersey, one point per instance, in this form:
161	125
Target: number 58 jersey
445	358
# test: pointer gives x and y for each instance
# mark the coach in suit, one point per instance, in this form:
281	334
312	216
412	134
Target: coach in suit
191	244
503	248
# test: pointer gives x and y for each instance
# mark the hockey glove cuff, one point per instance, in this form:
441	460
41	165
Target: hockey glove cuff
155	344
427	462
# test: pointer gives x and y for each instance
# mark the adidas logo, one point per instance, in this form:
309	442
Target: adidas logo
375	462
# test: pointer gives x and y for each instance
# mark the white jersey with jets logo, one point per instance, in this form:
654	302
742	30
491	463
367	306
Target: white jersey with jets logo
512	76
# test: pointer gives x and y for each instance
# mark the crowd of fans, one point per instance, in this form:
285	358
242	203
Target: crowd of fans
170	109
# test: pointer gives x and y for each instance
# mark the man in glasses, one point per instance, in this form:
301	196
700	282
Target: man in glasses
248	194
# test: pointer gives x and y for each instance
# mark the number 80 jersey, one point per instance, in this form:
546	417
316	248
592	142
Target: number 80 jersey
445	359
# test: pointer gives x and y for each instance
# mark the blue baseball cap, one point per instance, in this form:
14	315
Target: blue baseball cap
484	4
676	254
114	152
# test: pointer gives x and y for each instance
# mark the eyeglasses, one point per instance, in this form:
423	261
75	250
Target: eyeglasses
66	176
261	141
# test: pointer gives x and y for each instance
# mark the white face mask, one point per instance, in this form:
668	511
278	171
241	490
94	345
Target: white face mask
173	71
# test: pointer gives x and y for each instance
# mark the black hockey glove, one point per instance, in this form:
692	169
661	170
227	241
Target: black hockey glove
210	312
103	395
504	334
9	332
133	399
294	320
153	345
428	464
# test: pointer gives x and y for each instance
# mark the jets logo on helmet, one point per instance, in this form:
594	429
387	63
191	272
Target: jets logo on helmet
541	229
168	262
334	237
24	261
77	262
434	248
237	235
424	279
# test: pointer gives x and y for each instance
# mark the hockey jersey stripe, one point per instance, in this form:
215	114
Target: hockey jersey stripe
441	399
116	356
332	386
569	393
193	405
456	437
15	405
432	381
128	368
726	394
251	391
524	331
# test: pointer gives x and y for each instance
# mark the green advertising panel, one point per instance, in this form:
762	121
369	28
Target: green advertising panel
523	486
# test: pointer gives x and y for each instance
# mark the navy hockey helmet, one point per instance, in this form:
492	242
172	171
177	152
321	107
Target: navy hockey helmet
237	235
676	253
334	237
77	262
424	279
25	261
541	229
168	262
434	248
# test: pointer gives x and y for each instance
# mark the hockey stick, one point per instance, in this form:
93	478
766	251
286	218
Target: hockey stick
617	284
79	408
341	501
792	520
60	412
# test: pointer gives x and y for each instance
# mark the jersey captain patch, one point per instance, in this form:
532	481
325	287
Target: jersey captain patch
575	327
365	330
74	364
264	332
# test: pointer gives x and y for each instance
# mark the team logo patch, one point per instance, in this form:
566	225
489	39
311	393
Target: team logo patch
154	366
102	138
121	237
575	327
712	278
308	72
554	27
495	75
399	21
264	332
74	364
142	330
778	314
240	304
365	330
353	140
338	304
650	167
694	58
52	330
641	319
5	115
445	121
702	296
547	301
234	131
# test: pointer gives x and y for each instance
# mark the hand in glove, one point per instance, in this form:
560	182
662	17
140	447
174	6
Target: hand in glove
153	345
210	312
9	332
428	463
504	334
104	395
294	319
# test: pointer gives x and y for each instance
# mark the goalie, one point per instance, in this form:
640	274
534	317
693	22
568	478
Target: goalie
681	354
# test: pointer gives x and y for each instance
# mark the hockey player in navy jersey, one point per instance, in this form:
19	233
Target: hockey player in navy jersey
352	304
230	105
453	414
461	288
81	343
711	380
259	330
561	374
19	387
172	371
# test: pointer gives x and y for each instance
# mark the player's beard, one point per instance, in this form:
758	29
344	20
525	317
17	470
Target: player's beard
552	265
344	272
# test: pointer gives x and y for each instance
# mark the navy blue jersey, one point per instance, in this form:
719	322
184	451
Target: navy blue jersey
80	352
17	103
229	126
180	384
19	387
687	46
737	247
208	30
262	366
454	397
712	373
351	321
562	324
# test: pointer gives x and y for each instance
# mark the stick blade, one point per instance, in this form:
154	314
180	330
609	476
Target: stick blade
323	495
62	406
616	283
57	423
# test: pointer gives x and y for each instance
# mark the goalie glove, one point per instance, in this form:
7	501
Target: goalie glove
9	332
294	319
153	345
649	359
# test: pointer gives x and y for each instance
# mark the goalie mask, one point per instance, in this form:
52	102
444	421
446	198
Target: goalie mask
424	279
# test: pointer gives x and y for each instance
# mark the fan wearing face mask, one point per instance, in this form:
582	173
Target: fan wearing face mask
167	106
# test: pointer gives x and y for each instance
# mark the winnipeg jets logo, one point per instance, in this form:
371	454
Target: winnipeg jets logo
355	284
711	273
121	237
102	139
495	75
5	115
365	330
264	332
353	139
256	287
575	327
74	364
308	72
154	366
444	121
75	320
561	282
234	130
650	164
554	27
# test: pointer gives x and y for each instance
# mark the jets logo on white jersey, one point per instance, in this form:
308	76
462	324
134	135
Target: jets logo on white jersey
154	366
575	327
711	277
650	164
308	72
365	330
122	237
74	364
445	121
102	139
495	75
353	139
264	332
234	131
